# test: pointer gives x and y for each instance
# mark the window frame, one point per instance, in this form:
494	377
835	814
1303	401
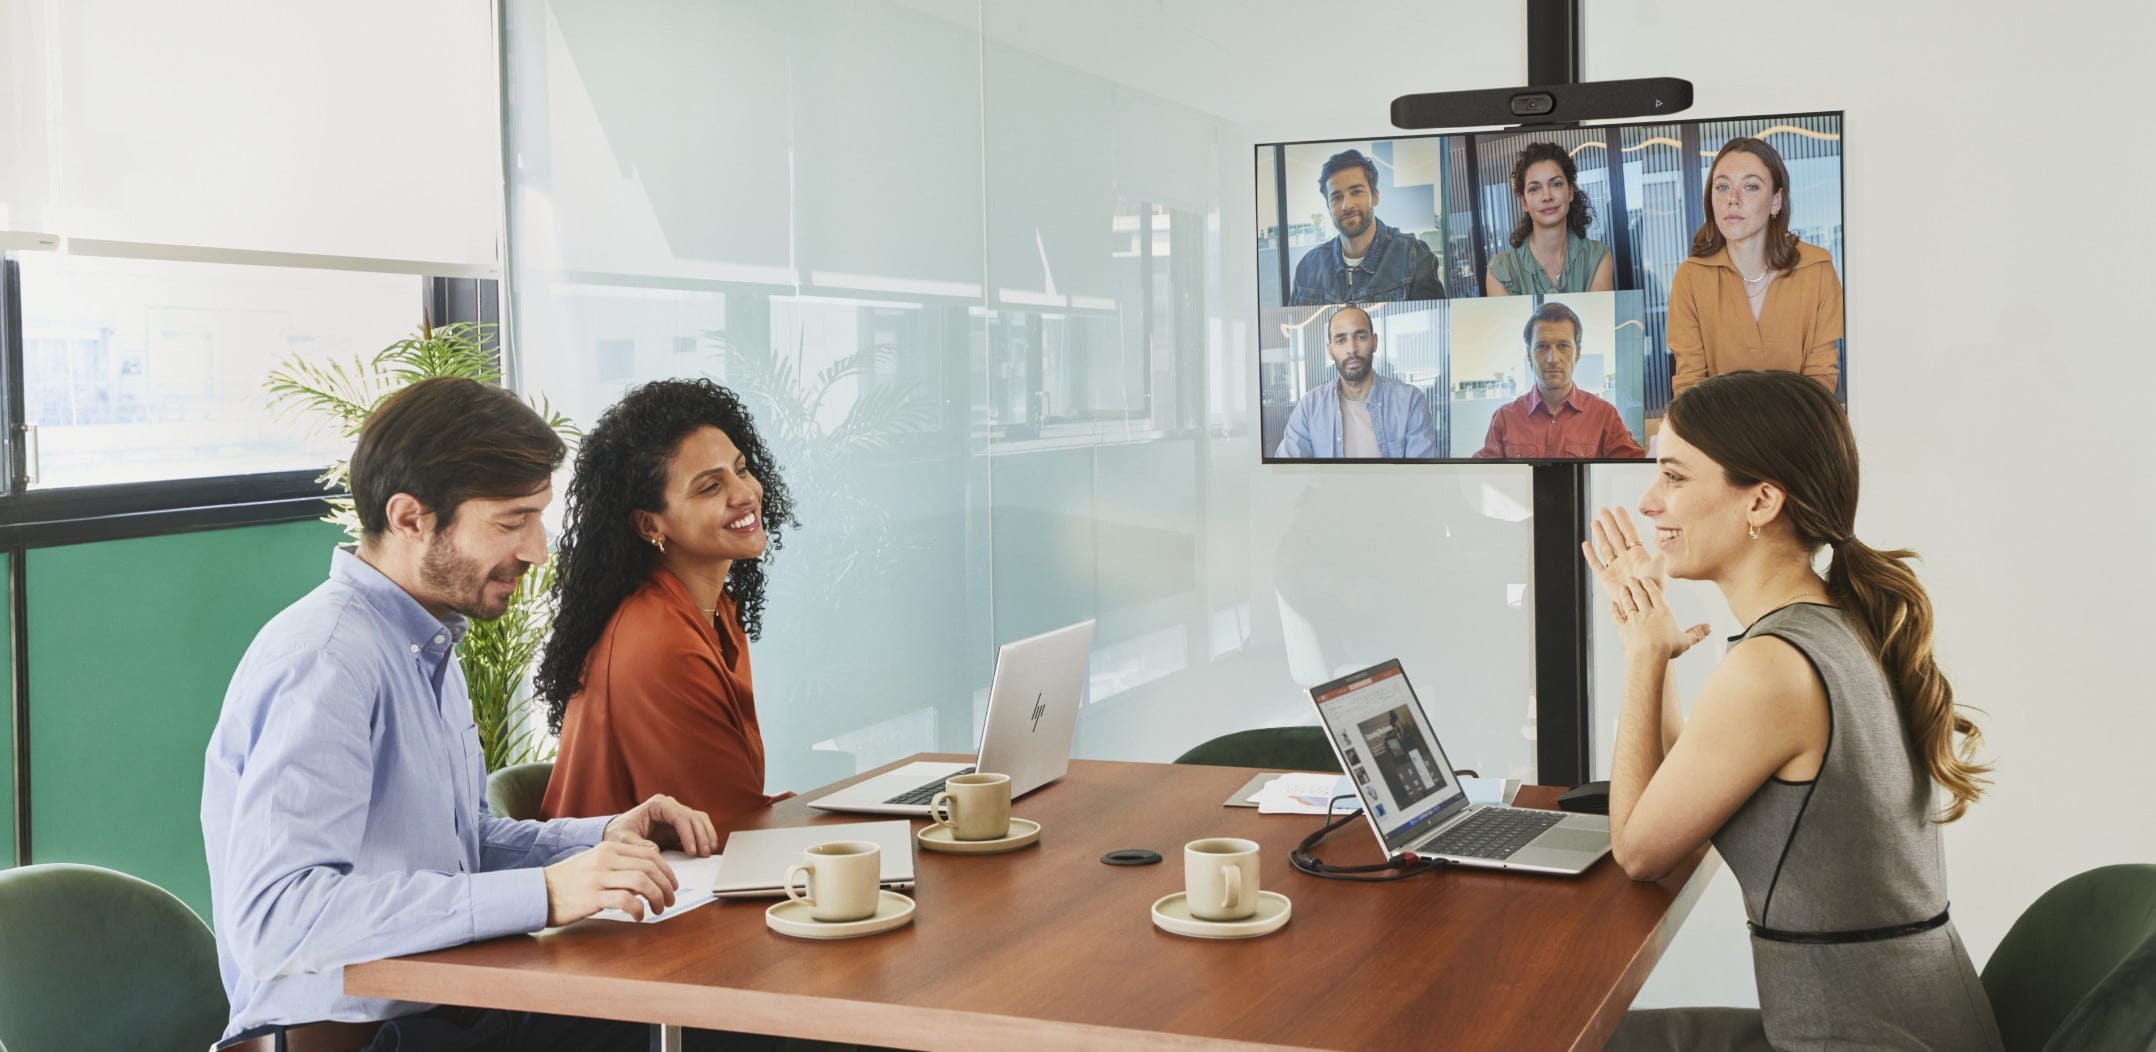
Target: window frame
62	515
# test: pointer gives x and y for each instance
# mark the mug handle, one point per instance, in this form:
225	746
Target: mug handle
808	876
1234	877
943	811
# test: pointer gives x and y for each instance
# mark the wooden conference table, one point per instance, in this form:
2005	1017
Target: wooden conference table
1048	948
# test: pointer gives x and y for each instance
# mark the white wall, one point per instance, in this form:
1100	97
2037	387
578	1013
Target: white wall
1989	192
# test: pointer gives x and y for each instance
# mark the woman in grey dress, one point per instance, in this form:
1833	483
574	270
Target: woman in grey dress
1824	752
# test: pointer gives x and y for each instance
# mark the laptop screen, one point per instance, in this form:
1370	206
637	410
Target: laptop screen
1386	744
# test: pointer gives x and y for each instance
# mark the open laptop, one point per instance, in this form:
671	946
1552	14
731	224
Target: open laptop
1032	712
1411	799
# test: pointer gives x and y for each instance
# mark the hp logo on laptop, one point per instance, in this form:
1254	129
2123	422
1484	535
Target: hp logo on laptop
1039	710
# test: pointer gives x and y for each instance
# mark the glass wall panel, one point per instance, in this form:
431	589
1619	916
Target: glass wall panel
1051	253
787	200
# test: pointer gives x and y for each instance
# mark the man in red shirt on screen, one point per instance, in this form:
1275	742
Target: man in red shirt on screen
1556	419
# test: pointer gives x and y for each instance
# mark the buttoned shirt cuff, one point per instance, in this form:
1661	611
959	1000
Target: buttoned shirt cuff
508	902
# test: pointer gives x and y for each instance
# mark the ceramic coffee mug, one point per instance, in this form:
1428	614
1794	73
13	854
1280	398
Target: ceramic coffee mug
975	806
839	880
1220	876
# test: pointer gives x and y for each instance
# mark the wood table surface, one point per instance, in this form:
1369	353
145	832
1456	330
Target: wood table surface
1047	947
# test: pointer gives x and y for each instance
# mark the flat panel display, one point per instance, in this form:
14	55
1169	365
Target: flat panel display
1538	295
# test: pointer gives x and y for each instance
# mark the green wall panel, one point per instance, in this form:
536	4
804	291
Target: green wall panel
131	646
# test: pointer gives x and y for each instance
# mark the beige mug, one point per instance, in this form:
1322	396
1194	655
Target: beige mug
841	880
1220	878
975	806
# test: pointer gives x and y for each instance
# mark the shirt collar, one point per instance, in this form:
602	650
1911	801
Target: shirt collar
1372	399
1370	259
408	621
1534	399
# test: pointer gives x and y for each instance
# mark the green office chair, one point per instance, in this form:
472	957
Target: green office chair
91	959
2078	969
515	791
1273	748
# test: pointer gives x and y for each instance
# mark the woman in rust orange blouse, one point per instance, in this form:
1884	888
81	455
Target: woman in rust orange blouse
1752	296
660	589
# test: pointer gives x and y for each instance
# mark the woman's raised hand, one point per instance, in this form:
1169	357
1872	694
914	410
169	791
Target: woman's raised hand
1630	572
1616	552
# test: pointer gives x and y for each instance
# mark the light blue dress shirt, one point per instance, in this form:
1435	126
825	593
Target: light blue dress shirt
343	806
1399	414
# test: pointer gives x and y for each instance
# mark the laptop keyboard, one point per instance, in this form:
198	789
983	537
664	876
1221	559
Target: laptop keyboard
1493	832
919	796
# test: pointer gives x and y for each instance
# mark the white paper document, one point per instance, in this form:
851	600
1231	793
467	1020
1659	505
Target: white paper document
692	878
1303	793
1308	794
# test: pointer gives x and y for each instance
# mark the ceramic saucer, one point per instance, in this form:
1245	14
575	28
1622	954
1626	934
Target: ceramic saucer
1172	914
939	838
788	917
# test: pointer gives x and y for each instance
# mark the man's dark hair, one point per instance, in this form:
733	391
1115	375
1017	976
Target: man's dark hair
447	440
1341	162
1552	313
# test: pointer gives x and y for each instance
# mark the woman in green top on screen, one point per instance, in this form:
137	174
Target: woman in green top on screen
1550	250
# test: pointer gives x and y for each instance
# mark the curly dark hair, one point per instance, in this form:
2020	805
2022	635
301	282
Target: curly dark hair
1583	211
620	468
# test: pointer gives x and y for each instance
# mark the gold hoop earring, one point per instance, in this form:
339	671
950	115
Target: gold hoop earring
659	543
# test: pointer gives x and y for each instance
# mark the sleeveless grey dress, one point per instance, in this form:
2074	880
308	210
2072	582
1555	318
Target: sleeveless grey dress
1849	851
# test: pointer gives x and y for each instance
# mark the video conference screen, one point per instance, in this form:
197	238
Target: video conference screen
1538	295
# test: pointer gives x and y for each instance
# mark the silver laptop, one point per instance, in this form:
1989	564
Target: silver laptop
1032	712
755	861
1411	799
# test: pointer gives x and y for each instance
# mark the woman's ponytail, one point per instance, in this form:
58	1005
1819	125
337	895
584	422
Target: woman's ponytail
1880	591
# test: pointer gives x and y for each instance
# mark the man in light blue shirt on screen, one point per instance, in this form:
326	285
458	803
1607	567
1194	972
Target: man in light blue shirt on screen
1358	414
343	788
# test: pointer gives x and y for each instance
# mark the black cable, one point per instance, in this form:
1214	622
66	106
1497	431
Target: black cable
1400	867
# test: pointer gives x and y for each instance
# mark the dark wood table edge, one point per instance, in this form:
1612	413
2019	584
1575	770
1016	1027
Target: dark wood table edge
764	1012
1698	872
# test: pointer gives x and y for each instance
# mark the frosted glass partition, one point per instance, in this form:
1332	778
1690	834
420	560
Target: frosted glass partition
1059	264
1694	602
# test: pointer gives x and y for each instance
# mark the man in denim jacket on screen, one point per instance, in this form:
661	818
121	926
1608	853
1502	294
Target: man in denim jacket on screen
1359	414
1368	262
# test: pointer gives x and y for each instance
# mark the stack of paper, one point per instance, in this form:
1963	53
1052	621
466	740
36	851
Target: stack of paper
1307	794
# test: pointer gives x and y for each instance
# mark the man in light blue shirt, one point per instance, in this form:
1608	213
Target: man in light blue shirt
343	788
1359	414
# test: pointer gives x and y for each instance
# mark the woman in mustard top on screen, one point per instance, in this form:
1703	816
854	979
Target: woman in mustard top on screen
661	587
1550	249
1823	753
1752	296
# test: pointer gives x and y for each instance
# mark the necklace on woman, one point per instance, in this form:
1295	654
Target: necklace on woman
1557	276
1754	281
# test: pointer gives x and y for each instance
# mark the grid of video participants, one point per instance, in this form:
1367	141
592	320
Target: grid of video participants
1541	294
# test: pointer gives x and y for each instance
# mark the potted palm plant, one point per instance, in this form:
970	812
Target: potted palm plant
496	655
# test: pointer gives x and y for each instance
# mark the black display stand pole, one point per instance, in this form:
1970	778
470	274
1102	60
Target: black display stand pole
1564	723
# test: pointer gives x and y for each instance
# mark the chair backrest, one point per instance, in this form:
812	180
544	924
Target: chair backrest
92	959
2120	1012
2083	941
1276	748
515	791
